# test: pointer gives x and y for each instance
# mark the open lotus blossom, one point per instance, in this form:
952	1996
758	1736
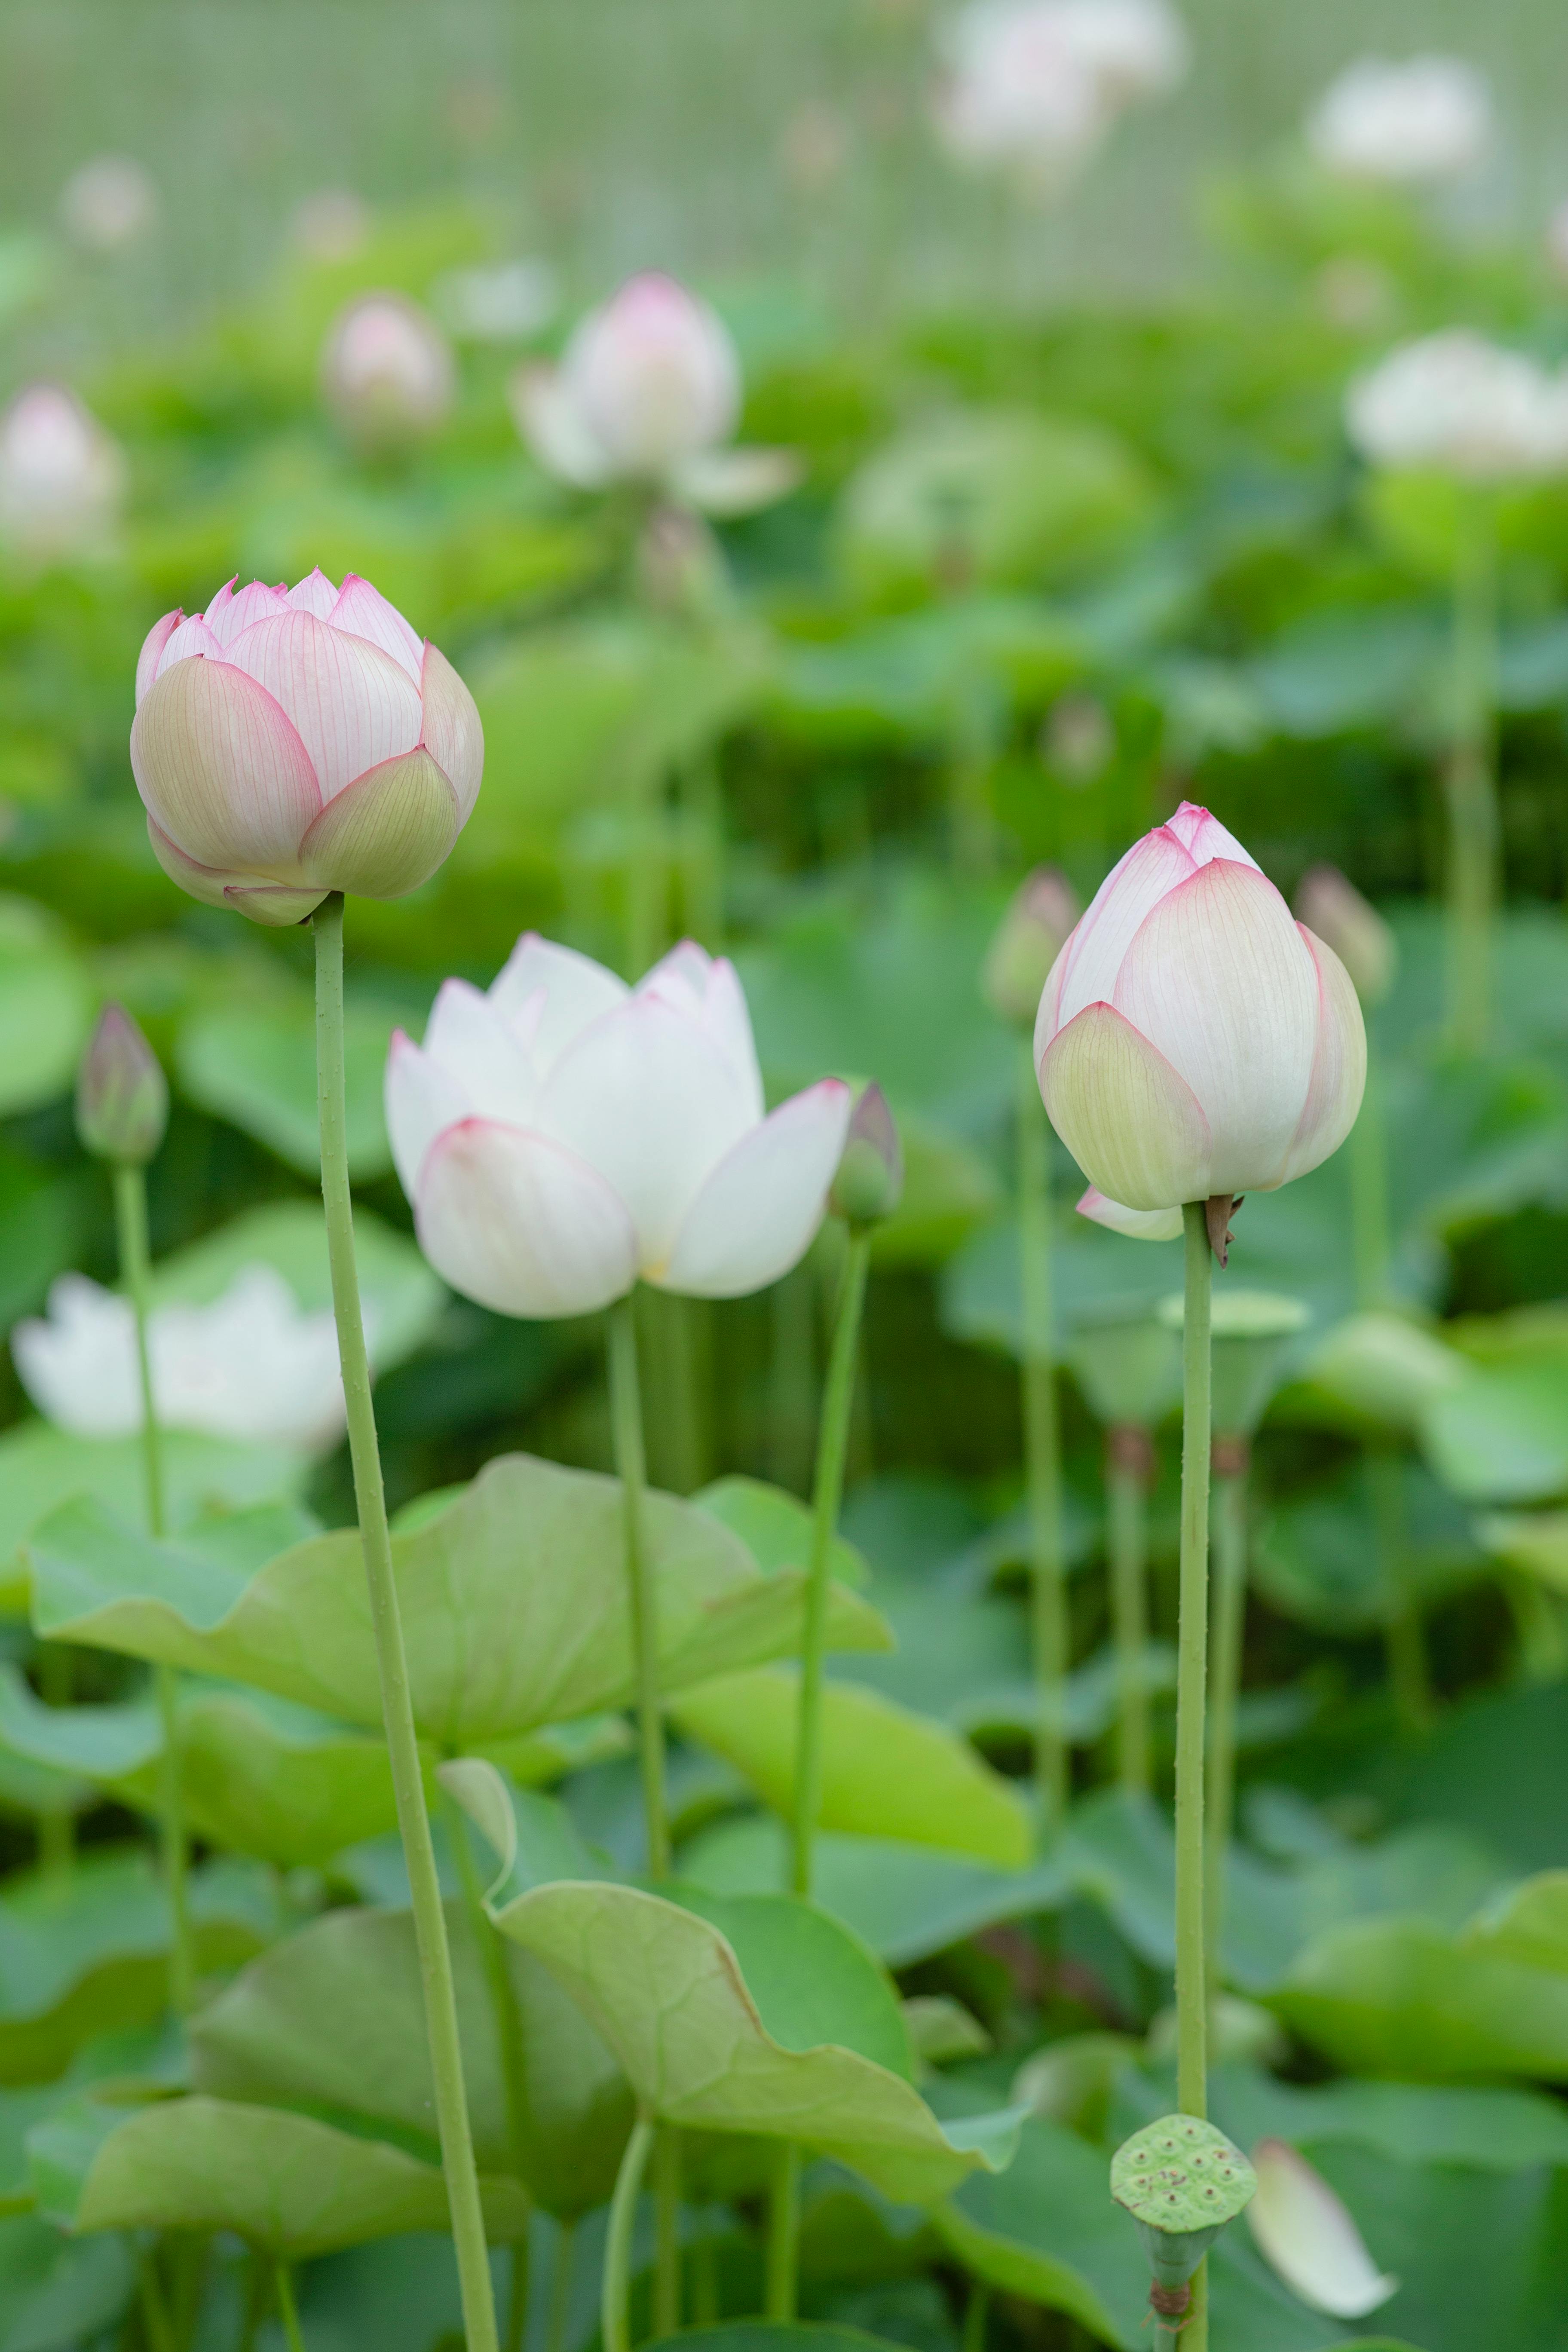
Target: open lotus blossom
1303	2231
1035	84
290	741
387	373
1456	404
61	476
1405	121
251	1366
562	1135
649	391
1193	1040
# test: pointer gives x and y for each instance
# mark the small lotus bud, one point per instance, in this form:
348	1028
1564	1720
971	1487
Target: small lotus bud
387	373
1032	935
870	1180
1077	739
1181	2181
122	1094
1335	909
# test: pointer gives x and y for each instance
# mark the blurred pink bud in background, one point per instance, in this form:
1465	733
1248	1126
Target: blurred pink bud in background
1456	404
1333	908
1031	935
1403	121
109	203
62	479
122	1094
387	373
291	742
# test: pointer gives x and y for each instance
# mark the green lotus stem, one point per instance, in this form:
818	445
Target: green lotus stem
397	1706
705	2297
631	1467
1470	784
1405	1639
1042	1452
287	2308
561	2287
783	2234
1192	1674
131	1229
509	2040
57	1824
1230	1545
1371	1245
832	1450
615	2314
976	2312
666	2230
1127	1547
155	2319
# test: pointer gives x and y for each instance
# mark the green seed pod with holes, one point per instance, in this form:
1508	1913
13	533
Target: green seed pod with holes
1181	2181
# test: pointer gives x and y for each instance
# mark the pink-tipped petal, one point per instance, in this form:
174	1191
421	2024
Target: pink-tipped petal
575	991
1218	980
227	613
1339	1063
1130	1121
1204	838
219	605
192	637
364	612
646	1095
386	832
708	989
1138	1224
1085	973
756	1215
351	704
473	1045
451	730
551	420
314	595
520	1224
1307	2235
153	644
218	764
422	1100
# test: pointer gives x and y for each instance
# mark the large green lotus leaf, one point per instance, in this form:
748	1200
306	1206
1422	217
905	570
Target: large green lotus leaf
906	1902
88	1954
333	2019
264	1776
1489	2129
666	1989
290	2186
57	2293
1501	1434
1496	1764
534	1838
255	1065
912	675
42	1466
776	1527
514	1605
401	1298
1318	1558
46	1000
41	1216
886	1772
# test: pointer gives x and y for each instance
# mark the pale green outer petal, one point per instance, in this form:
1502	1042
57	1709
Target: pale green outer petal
278	905
1133	1126
386	833
1220	982
522	1224
451	732
222	770
1308	2237
1139	1225
1339	1065
256	896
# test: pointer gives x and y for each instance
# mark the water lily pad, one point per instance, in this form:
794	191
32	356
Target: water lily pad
47	1001
255	1065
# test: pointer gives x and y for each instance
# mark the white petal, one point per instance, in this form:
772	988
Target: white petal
735	481
352	705
647	1097
364	612
1219	981
1139	1225
78	1363
250	1364
1085	973
520	1224
421	1099
1204	838
473	1045
1130	1121
227	613
1339	1063
184	643
576	992
756	1215
153	644
314	595
450	729
1304	2231
551	420
708	988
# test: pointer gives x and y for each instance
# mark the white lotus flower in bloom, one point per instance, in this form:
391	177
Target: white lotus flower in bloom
1460	404
1193	1040
253	1365
562	1135
647	390
1303	2231
1422	119
386	371
108	203
1037	83
61	476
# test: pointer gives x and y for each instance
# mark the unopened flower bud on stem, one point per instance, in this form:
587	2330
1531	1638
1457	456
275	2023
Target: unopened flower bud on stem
122	1094
870	1180
1032	933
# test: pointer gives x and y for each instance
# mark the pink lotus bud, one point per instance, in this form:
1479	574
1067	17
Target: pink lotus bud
564	1134
869	1182
108	203
1033	933
1419	120
1335	909
1195	1043
1456	404
292	742
386	372
122	1094
1305	2233
61	477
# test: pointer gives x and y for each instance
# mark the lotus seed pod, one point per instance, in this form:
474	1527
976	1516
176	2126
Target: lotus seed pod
1181	2181
1252	1331
122	1094
1128	1361
870	1180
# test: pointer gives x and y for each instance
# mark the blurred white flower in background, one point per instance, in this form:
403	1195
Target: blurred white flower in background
331	224
1460	404
62	477
1421	119
1036	84
647	390
499	303
387	372
108	203
1308	2237
253	1365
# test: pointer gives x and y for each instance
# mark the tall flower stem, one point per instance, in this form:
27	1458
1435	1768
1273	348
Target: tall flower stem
832	1448
615	2311
1128	1453
289	2309
131	1230
1230	1546
1042	1452
1470	782
631	1467
782	2259
1192	1674
508	2021
397	1706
